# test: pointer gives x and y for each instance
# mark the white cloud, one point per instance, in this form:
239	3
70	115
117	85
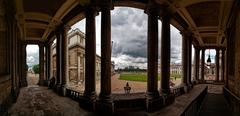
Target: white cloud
32	49
32	54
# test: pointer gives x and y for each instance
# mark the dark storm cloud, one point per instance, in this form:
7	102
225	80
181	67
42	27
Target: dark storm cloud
129	32
129	35
176	45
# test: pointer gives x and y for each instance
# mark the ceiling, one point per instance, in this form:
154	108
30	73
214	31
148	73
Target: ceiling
206	19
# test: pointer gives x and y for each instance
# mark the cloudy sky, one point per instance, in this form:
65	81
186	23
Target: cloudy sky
32	55
129	36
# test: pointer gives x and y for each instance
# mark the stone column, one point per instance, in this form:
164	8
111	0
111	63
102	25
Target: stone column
165	60
64	57
190	61
78	68
105	101
88	101
58	61
41	65
184	59
47	64
165	55
50	61
153	98
24	63
223	65
217	65
196	64
202	65
152	72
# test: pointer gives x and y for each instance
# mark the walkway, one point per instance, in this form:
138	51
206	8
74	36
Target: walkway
215	103
40	101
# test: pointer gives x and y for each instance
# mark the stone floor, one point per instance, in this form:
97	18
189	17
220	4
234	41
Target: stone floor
32	79
40	101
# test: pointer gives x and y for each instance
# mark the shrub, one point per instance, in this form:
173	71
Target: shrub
36	68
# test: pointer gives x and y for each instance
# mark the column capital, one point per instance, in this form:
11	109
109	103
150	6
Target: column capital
203	49
185	33
197	48
152	8
90	9
223	49
65	27
106	4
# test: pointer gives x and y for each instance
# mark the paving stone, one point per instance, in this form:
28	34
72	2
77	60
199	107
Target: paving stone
44	102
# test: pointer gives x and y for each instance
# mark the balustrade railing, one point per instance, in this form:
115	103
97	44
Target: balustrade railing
178	90
233	101
75	95
194	107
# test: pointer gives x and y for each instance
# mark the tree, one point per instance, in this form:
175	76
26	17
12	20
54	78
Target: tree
27	67
36	68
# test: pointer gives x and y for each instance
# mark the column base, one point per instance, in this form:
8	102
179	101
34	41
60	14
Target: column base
185	87
45	83
88	101
15	93
218	83
105	106
194	82
190	86
168	99
202	81
63	90
41	83
24	82
57	88
154	102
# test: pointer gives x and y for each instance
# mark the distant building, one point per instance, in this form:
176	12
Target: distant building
174	69
76	58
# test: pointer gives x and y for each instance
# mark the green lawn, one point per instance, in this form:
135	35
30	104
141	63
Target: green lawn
139	76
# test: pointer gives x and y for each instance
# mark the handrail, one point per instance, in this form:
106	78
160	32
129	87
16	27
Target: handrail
178	90
194	107
233	101
75	95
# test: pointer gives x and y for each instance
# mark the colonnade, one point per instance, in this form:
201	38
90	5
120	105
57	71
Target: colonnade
201	65
104	101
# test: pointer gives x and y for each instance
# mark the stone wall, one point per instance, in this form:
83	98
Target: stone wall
5	79
5	88
234	82
12	65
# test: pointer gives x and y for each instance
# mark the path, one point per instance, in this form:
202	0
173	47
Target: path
118	85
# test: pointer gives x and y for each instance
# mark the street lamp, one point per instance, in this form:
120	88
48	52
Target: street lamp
209	59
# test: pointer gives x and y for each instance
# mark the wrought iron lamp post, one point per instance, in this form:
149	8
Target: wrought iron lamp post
209	59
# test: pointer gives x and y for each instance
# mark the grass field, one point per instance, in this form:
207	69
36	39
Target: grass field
139	76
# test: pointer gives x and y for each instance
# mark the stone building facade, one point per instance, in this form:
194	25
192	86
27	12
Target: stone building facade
76	58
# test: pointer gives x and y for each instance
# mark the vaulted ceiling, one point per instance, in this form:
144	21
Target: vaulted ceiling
206	19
